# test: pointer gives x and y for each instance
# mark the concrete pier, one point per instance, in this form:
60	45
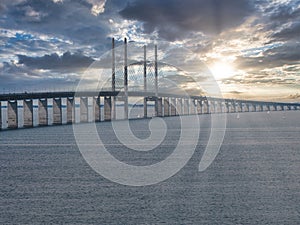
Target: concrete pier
107	108
43	112
83	109
57	112
12	114
179	106
97	112
0	116
173	107
186	107
70	110
205	108
166	107
192	107
28	113
199	107
158	107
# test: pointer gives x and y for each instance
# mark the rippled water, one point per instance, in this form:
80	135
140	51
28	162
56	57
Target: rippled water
255	178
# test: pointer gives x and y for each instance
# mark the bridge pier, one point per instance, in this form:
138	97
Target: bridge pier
234	107
193	108
226	107
70	110
282	108
158	107
57	112
199	107
43	112
179	106
239	107
97	109
221	107
83	109
145	108
12	112
205	107
0	116
166	107
186	107
28	113
107	108
173	106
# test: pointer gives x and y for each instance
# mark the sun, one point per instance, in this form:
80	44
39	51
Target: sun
222	70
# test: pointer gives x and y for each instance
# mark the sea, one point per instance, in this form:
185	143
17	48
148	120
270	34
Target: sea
254	179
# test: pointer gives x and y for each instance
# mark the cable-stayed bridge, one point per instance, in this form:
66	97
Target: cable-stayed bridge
140	80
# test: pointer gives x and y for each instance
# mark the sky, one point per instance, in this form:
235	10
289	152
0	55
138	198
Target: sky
251	47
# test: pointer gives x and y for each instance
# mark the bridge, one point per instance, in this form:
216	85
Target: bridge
103	102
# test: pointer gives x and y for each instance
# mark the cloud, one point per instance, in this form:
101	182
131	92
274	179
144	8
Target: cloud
173	19
74	20
288	33
286	54
294	96
19	77
67	61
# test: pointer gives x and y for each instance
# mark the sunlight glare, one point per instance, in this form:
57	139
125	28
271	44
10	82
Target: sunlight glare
222	70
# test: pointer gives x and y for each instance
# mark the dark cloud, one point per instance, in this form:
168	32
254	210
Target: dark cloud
174	18
71	20
289	33
295	96
67	61
287	54
285	12
18	78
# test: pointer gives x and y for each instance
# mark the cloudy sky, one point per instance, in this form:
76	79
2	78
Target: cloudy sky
251	47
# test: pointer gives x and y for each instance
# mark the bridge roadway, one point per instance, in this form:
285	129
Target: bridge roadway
166	104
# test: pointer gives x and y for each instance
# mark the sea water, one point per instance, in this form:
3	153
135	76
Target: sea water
255	178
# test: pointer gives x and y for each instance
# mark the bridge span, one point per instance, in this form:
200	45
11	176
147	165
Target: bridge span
165	104
104	101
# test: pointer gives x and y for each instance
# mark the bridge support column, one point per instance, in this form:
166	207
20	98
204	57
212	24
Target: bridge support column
145	108
166	107
186	107
83	109
0	116
199	107
240	107
12	111
97	110
173	106
107	108
57	113
158	107
28	113
261	108
234	107
70	110
226	107
205	107
211	106
43	112
192	107
179	106
220	107
247	107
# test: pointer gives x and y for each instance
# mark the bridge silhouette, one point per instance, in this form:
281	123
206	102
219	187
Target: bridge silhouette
104	101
